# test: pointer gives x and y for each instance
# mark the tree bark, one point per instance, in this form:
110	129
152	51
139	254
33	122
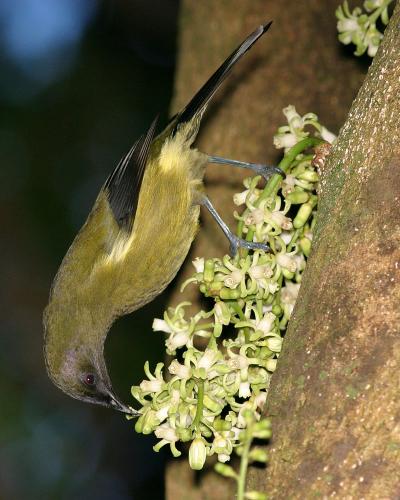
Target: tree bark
334	398
297	62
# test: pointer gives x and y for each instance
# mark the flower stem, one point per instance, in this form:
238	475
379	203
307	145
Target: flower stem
244	463
274	183
375	15
199	409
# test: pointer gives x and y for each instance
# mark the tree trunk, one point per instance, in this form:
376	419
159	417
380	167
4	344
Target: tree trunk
297	62
335	395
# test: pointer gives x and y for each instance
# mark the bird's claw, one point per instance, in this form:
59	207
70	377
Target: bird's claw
236	243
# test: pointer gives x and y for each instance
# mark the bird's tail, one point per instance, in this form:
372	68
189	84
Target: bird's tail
199	102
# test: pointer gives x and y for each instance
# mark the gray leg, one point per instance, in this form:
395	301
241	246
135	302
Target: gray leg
234	241
264	170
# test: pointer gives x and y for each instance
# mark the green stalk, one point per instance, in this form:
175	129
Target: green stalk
199	409
375	15
244	463
274	182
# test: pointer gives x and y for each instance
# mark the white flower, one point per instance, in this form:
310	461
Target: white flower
286	236
260	400
288	184
273	287
348	25
221	444
237	361
266	323
289	295
292	116
162	413
222	457
154	385
287	261
233	279
260	272
327	135
166	432
198	264
255	217
244	389
222	313
275	344
285	141
271	364
208	359
177	340
182	371
300	262
373	39
240	198
281	220
159	325
289	292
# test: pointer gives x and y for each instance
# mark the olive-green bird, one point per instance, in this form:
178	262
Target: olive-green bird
133	243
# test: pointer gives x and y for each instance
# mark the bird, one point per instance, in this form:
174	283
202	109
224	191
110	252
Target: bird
133	243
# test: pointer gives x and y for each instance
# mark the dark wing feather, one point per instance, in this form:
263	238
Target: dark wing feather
200	100
123	185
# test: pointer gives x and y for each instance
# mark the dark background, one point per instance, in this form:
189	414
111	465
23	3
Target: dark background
79	81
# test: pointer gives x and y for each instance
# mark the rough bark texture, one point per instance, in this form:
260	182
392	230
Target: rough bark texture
297	62
335	396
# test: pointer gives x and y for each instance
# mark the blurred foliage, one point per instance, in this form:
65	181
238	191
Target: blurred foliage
69	110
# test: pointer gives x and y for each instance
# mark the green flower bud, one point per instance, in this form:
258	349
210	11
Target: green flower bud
211	404
258	455
229	294
264	353
270	364
225	470
214	288
305	245
184	434
277	310
263	424
249	416
221	425
262	434
205	431
302	215
149	422
309	175
289	275
209	270
298	197
197	454
255	495
139	424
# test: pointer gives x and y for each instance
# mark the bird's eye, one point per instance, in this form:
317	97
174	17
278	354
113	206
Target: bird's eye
89	379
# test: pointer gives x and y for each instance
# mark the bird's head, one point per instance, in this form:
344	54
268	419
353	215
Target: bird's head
76	363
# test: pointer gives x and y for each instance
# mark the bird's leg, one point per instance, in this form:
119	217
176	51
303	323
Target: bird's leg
234	241
265	170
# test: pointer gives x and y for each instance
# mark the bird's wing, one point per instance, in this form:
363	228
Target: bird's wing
202	97
123	185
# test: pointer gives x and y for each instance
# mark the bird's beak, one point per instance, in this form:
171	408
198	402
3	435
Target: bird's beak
119	406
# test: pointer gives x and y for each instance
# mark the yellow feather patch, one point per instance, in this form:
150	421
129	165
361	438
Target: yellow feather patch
120	248
175	154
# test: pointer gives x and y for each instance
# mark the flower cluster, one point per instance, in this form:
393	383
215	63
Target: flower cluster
290	134
359	27
212	393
